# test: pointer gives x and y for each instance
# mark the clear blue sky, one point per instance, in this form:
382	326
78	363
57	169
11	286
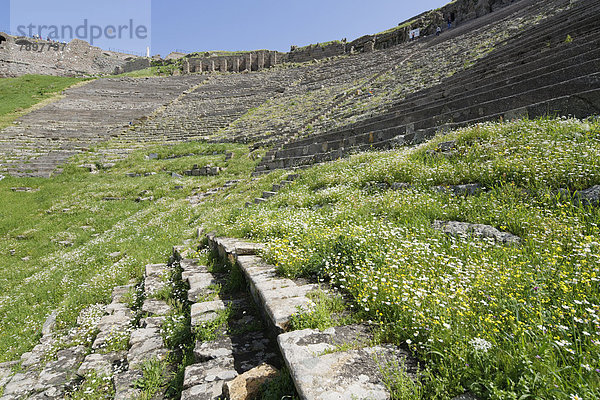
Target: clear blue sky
198	25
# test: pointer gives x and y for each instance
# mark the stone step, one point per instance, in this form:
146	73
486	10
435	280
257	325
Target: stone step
496	105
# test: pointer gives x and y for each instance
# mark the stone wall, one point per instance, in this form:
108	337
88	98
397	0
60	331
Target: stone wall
251	61
457	12
316	52
134	65
18	56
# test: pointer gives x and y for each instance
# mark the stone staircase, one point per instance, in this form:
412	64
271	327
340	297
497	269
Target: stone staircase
37	143
536	72
275	189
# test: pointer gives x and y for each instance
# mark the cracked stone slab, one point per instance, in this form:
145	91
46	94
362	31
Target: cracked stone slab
152	322
189	265
456	228
248	351
192	269
226	246
153	284
206	311
287	292
236	247
118	308
101	363
21	384
118	320
39	352
280	311
248	249
59	372
6	373
146	344
120	292
124	383
321	372
220	348
199	285
49	394
49	324
221	369
205	391
156	307
278	297
156	269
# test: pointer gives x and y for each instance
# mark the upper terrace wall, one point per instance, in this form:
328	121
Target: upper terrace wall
22	55
457	12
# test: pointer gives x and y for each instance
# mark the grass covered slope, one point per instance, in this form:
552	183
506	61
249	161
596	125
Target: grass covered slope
66	244
517	321
504	321
19	94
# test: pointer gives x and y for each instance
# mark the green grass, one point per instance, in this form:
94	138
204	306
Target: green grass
39	274
397	380
154	380
504	322
329	311
500	321
19	94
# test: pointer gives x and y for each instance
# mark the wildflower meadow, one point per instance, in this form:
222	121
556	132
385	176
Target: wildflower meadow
516	321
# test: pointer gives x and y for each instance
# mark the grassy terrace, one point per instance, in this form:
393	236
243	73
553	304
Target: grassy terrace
505	322
19	94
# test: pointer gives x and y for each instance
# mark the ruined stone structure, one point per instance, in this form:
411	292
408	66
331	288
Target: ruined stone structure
400	94
250	61
457	13
316	52
21	56
38	142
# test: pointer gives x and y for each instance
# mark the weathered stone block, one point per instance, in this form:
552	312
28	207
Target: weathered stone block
464	229
156	307
206	311
247	386
205	391
338	375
